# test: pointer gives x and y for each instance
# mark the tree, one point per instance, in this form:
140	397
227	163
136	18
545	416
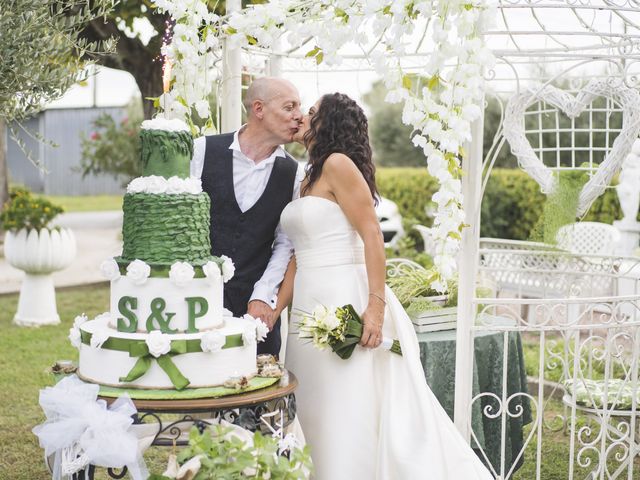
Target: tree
41	56
141	60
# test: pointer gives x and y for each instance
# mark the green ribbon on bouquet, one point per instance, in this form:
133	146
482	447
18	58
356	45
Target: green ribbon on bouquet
139	349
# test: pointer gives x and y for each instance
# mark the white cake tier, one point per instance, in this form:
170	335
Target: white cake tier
154	291
106	365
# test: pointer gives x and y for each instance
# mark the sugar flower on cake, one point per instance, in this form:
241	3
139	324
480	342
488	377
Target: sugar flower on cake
159	343
103	319
79	320
261	328
156	184
228	268
181	273
138	271
249	336
110	269
74	337
212	272
192	185
99	336
212	341
137	185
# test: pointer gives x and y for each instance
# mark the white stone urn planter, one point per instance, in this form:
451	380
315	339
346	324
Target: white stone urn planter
39	253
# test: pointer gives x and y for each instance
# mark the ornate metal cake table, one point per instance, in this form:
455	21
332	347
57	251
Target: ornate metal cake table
269	409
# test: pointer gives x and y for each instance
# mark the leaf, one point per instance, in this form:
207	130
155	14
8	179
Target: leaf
406	82
434	82
319	58
313	53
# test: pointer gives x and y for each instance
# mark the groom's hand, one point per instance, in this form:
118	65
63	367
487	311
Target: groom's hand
259	309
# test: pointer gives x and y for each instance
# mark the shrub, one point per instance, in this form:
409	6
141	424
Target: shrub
23	210
511	206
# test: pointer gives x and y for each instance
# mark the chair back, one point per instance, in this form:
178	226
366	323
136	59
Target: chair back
591	238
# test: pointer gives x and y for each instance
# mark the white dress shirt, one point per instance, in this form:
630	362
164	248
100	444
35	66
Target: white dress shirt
249	182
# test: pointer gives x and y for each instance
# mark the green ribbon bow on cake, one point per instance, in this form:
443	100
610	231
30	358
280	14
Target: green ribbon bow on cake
145	359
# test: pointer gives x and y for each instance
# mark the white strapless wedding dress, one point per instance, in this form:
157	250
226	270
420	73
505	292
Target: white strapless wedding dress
371	417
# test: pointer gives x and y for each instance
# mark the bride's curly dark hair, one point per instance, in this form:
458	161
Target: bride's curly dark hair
339	126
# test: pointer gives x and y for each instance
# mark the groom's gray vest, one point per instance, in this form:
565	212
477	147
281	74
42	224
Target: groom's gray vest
246	237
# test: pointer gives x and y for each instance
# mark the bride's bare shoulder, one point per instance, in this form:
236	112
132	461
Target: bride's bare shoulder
340	164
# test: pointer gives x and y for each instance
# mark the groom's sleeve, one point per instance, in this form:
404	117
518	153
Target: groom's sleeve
197	160
266	288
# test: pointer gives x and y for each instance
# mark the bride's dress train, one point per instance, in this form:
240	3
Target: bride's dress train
371	417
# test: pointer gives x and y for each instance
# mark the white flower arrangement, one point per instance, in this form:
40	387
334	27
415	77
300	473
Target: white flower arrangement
228	268
138	272
158	343
181	273
74	337
212	272
172	186
110	269
79	320
212	341
99	336
249	336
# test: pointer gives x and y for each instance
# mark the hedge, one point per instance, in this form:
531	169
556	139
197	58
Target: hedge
511	206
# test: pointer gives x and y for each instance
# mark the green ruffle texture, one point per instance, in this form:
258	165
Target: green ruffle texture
163	229
166	153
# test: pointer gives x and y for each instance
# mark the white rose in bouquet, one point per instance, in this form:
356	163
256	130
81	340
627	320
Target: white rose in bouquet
79	320
249	336
156	184
228	268
138	271
110	269
159	343
181	273
331	321
175	185
99	336
212	341
74	337
212	272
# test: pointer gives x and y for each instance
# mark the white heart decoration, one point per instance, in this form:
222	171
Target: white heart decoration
612	88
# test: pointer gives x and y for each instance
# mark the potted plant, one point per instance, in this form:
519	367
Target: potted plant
33	246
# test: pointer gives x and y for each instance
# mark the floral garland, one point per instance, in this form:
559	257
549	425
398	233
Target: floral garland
440	103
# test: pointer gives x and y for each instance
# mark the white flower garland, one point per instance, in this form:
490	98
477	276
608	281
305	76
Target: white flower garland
441	104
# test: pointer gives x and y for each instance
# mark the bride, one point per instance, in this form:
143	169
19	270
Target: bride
371	417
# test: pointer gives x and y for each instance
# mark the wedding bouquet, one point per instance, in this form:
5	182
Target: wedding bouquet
340	329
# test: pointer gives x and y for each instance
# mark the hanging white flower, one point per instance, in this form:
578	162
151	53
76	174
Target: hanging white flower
79	320
110	269
212	272
138	272
99	336
228	268
249	336
181	273
75	337
159	343
212	341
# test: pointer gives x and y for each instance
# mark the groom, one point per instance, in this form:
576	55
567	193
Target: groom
250	179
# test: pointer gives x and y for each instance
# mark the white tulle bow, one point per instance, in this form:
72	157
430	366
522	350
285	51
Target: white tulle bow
81	430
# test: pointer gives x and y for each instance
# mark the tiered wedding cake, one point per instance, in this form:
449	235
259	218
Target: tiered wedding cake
166	327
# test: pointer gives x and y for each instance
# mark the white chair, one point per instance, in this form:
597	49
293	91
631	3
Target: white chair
590	238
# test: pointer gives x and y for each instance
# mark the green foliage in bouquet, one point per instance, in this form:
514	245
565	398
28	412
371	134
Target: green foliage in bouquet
113	147
224	455
23	210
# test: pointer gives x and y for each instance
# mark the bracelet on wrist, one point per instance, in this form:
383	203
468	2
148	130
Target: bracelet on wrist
378	297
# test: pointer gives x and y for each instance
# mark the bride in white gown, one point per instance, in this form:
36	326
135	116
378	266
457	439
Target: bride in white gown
371	417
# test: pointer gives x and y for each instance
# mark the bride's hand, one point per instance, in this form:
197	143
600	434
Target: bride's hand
372	319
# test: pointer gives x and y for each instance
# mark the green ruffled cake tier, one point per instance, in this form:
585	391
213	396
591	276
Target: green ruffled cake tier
162	229
166	153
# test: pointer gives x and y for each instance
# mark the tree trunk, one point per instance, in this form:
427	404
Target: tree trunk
149	80
4	170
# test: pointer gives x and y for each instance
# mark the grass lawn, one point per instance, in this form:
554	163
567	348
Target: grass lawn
26	353
87	203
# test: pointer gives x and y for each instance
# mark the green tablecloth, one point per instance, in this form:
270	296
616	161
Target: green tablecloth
438	356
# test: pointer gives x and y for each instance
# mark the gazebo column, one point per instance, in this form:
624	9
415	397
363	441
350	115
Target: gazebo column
231	101
467	270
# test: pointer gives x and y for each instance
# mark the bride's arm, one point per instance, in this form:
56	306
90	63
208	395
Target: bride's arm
354	197
285	293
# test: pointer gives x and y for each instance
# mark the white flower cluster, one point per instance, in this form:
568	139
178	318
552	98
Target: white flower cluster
169	125
138	271
171	186
192	56
74	332
440	109
262	330
213	271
